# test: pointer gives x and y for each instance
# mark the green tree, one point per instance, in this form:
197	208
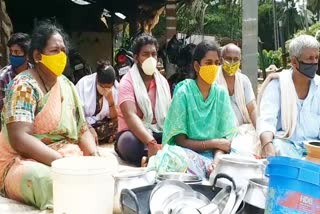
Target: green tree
314	6
213	17
265	26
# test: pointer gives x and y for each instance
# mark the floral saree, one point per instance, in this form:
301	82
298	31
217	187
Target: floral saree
58	121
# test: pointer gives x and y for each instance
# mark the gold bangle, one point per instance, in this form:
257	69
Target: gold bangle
96	153
203	146
153	142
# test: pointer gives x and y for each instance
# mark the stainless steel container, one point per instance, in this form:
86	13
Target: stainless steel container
130	178
239	167
257	193
179	176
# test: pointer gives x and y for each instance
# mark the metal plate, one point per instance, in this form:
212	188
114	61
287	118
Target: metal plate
183	199
184	177
162	191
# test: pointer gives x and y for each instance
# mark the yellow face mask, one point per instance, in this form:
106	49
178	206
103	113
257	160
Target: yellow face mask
230	68
209	73
55	63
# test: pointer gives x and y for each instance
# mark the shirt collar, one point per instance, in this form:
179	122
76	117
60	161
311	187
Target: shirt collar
314	81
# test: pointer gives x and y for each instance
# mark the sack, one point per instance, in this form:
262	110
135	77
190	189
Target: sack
106	130
169	159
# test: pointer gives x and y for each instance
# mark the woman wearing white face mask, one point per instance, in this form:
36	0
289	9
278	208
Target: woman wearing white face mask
144	99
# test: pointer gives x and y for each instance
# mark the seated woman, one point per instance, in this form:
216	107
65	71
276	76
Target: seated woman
42	121
99	95
200	118
144	100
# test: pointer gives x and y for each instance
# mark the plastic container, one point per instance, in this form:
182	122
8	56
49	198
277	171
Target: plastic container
294	186
83	185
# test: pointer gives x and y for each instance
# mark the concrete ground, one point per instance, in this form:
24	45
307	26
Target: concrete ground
8	206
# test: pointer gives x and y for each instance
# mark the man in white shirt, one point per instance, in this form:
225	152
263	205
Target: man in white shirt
290	105
242	99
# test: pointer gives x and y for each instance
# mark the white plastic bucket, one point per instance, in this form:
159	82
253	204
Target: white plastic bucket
83	185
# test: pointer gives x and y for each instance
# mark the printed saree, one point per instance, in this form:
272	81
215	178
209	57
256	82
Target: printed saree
199	119
58	121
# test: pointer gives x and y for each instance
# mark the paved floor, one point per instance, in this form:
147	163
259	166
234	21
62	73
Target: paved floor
8	206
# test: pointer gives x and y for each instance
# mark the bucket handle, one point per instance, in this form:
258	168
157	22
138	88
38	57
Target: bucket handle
130	194
223	175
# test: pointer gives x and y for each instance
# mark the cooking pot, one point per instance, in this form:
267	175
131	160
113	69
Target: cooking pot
313	149
130	178
239	167
257	193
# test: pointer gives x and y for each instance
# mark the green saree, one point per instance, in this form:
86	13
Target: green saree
198	119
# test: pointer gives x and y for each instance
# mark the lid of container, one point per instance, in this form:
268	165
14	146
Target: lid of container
83	165
130	173
239	160
294	168
180	176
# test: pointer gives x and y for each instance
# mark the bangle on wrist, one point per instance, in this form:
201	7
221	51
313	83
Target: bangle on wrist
96	153
153	142
264	145
203	146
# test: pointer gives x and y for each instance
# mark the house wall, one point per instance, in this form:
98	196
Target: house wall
93	46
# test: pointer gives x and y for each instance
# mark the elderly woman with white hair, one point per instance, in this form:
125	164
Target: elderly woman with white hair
289	104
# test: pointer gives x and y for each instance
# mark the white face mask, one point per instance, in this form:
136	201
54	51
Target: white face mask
149	66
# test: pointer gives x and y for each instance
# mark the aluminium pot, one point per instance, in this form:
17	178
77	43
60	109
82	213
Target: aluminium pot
239	167
129	179
256	194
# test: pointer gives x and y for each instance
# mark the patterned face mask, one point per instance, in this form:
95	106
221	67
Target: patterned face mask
231	68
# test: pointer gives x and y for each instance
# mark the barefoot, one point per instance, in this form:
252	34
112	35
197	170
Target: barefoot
211	169
144	161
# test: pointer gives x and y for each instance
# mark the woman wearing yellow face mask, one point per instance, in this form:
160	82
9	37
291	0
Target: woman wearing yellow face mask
42	121
200	118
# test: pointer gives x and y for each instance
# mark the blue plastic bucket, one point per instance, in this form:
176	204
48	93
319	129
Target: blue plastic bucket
294	186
